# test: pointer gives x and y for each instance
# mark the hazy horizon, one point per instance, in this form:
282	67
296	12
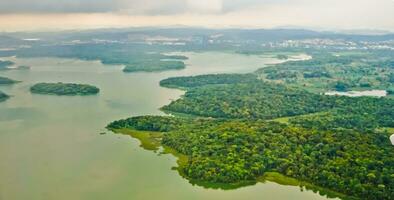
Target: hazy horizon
34	15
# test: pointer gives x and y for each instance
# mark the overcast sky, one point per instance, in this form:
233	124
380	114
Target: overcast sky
75	14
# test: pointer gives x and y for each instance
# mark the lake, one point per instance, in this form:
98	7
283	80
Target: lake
51	146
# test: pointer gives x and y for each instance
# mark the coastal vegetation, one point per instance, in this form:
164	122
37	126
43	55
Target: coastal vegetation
151	66
134	57
5	63
233	151
69	89
227	130
3	96
254	100
232	135
209	79
6	81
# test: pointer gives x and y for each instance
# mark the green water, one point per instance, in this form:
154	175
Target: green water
50	146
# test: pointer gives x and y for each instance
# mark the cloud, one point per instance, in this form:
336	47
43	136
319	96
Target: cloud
58	6
136	7
328	14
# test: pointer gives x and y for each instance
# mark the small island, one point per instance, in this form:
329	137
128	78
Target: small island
4	64
282	57
7	81
152	66
3	96
69	89
20	67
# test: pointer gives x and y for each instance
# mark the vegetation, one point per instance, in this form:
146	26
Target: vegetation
5	64
390	91
176	57
336	142
253	99
210	79
256	100
3	96
151	66
6	81
150	140
135	57
23	67
64	89
275	124
339	71
363	113
282	57
230	151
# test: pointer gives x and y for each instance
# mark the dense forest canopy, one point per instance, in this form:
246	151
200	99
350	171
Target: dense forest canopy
258	100
226	151
64	89
154	65
209	79
336	142
341	71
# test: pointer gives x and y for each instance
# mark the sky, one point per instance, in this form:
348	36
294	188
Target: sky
19	15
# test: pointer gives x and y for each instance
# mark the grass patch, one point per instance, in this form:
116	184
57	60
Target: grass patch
285	180
279	178
149	140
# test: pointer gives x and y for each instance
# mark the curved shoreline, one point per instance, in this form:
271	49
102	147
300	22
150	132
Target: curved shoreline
151	141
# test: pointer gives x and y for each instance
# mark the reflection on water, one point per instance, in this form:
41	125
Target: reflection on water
50	146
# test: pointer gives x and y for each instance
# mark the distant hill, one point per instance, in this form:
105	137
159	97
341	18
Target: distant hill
258	35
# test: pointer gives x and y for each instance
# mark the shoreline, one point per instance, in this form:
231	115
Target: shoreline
151	141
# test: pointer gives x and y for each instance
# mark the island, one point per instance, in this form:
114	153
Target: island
7	81
152	66
3	96
22	67
282	57
232	130
135	58
68	89
4	64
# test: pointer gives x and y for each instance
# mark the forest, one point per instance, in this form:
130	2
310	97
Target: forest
136	57
208	79
154	65
69	89
234	132
355	163
340	71
255	100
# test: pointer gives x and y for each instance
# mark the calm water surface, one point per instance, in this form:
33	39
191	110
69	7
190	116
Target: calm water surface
50	146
